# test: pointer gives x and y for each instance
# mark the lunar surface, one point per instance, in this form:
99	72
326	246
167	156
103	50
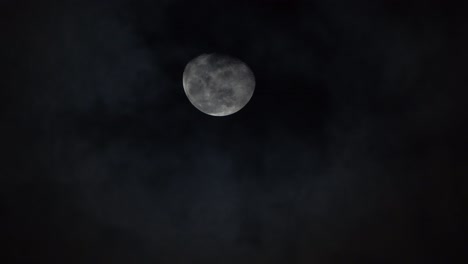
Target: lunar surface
218	85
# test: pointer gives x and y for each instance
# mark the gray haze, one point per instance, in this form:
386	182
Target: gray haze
350	152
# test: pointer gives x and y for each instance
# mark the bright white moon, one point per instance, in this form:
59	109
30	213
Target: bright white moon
218	85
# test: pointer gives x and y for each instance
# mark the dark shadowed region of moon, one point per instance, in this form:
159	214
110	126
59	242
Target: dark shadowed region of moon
218	85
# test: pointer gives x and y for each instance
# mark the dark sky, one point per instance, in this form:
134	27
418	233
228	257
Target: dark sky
352	149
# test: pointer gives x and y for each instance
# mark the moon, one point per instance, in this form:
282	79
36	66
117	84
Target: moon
218	85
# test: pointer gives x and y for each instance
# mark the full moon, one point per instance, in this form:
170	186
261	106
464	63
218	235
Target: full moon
218	85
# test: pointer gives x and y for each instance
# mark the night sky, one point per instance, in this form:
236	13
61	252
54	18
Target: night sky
353	148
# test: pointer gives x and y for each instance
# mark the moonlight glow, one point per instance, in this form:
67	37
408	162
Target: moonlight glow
218	85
